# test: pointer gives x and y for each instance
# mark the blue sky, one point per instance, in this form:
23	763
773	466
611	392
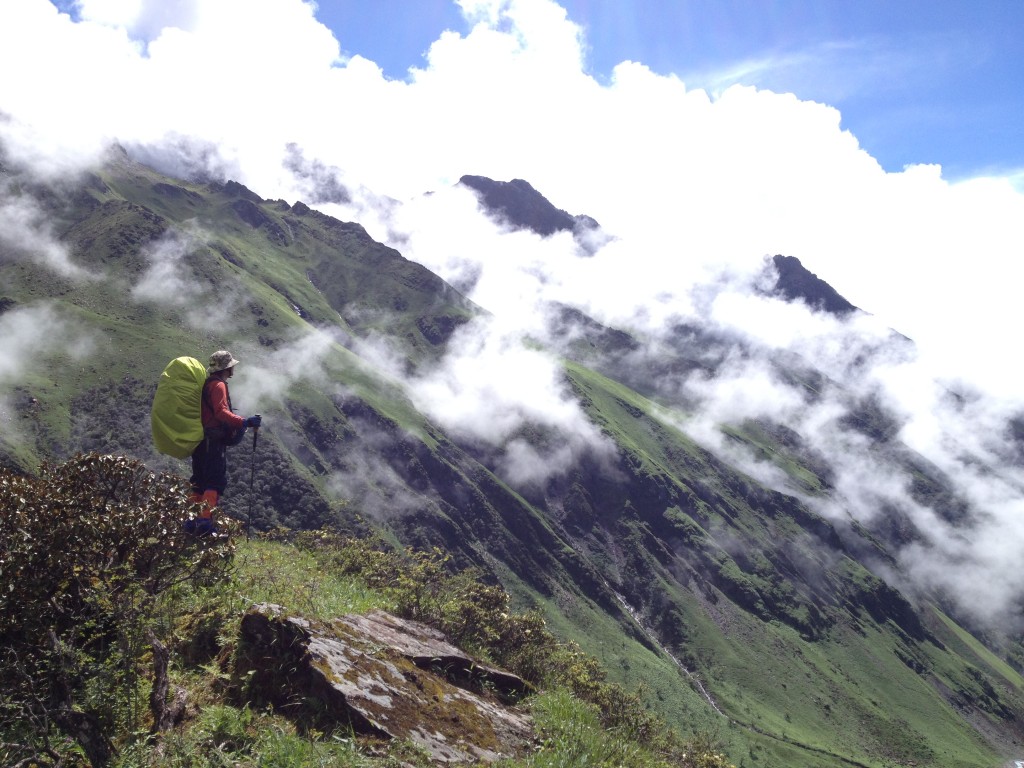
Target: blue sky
917	81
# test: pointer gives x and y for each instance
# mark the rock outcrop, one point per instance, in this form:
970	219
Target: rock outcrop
384	677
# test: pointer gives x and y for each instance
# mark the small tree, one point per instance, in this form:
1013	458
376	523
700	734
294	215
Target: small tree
85	550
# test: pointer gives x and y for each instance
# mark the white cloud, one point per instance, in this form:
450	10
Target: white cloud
170	282
372	487
263	377
143	19
166	280
27	337
26	234
31	339
492	384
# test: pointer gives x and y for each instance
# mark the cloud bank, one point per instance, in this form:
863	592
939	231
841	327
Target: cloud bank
688	179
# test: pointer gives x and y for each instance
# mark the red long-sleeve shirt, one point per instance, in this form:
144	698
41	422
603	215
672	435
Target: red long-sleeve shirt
217	407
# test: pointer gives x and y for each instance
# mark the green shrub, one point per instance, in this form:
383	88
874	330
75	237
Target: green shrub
86	548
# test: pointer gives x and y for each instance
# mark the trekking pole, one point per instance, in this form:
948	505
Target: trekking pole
252	480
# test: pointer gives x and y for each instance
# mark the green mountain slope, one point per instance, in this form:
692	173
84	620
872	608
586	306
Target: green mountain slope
738	607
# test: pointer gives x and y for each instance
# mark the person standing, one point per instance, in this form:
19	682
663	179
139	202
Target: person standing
222	428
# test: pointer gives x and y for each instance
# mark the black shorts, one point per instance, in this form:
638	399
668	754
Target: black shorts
210	466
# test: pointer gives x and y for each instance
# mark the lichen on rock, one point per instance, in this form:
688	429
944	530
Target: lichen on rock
385	677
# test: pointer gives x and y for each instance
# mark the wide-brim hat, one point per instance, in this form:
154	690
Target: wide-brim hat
221	361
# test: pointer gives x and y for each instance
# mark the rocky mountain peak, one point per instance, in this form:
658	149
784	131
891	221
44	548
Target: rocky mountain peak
519	204
796	283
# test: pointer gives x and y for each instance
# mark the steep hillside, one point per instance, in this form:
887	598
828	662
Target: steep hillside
732	599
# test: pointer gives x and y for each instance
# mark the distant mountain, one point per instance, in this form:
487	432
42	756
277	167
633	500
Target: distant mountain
739	607
797	283
521	206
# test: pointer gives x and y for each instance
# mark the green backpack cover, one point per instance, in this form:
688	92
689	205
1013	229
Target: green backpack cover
177	407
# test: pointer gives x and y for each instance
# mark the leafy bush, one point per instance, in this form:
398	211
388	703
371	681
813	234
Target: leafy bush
86	548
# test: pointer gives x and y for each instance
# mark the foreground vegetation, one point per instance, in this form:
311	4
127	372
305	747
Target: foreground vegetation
118	630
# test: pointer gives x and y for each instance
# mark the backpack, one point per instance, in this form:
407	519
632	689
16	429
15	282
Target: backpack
176	416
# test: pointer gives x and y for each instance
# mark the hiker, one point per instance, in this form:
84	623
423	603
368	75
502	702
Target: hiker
221	428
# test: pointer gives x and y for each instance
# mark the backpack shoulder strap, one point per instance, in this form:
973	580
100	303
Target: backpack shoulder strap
206	396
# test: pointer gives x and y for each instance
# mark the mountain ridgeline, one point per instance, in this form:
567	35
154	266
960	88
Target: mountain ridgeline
738	607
